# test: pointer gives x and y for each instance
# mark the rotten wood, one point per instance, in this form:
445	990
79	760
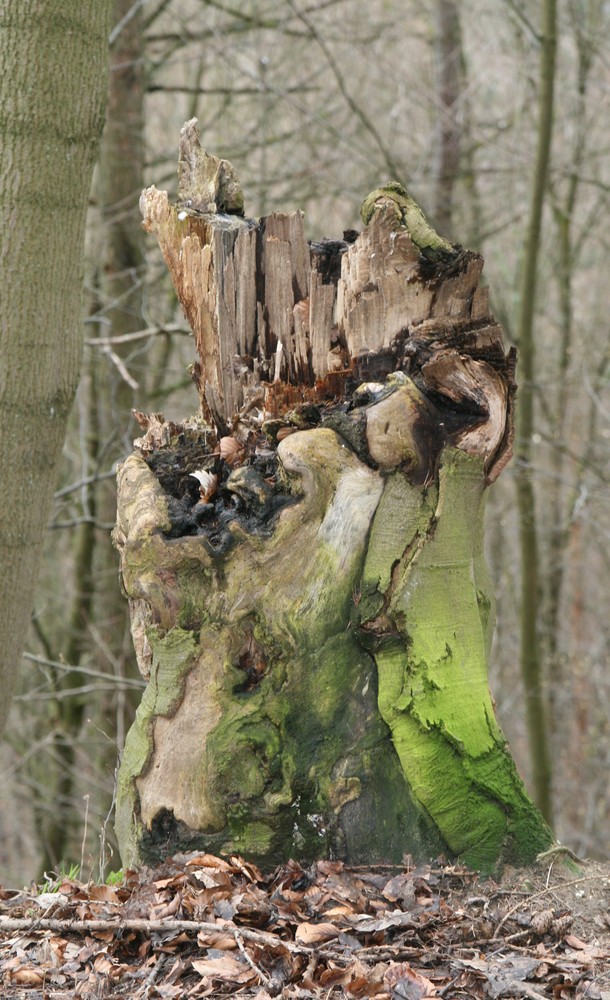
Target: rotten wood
266	307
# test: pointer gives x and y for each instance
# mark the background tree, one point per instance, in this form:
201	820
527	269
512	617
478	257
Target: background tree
451	102
531	658
46	172
571	427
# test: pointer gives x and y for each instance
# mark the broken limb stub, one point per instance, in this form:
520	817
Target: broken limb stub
311	610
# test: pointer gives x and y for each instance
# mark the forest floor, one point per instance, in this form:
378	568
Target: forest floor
200	926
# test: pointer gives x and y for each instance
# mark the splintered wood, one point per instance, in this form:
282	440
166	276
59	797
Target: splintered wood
298	321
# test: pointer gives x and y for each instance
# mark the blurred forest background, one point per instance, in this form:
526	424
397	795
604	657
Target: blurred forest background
315	103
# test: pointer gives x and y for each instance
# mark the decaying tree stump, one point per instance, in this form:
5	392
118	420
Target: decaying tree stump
303	559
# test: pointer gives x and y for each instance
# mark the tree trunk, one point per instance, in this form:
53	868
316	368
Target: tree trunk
97	598
52	59
450	91
304	560
530	653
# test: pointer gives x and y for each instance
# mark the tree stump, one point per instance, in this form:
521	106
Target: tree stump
303	559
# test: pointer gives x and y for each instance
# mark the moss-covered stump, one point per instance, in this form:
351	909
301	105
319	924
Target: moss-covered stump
259	731
303	560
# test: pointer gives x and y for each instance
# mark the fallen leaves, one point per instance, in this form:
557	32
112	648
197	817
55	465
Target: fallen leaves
403	981
224	969
203	926
307	933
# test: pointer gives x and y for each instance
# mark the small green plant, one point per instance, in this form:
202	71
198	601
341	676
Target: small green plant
115	878
53	880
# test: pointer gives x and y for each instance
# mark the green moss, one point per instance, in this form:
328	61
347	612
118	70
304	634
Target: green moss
433	690
244	754
250	839
411	217
281	761
173	656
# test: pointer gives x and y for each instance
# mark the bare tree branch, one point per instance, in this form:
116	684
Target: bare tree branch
391	164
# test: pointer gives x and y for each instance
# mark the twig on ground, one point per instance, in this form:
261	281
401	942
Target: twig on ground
536	895
259	972
68	926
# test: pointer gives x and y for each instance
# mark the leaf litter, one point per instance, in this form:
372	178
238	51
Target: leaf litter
202	926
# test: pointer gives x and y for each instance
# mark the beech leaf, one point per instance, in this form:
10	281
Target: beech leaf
308	933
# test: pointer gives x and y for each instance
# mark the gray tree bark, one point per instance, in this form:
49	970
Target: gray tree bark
118	282
53	59
450	73
531	660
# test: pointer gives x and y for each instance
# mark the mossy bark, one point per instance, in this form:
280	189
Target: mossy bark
252	660
431	624
315	621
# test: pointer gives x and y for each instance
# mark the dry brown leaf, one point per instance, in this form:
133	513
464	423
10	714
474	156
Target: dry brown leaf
166	909
357	900
364	986
220	940
112	970
334	975
27	977
57	947
363	924
162	883
330	867
208	484
225	969
404	981
574	942
231	451
105	893
400	888
247	868
209	861
285	432
168	992
307	933
588	951
208	879
339	911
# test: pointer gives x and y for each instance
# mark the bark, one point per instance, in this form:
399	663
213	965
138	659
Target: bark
563	498
121	290
530	655
52	95
303	559
117	277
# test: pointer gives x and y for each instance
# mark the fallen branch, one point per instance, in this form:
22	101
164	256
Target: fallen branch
149	927
259	972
